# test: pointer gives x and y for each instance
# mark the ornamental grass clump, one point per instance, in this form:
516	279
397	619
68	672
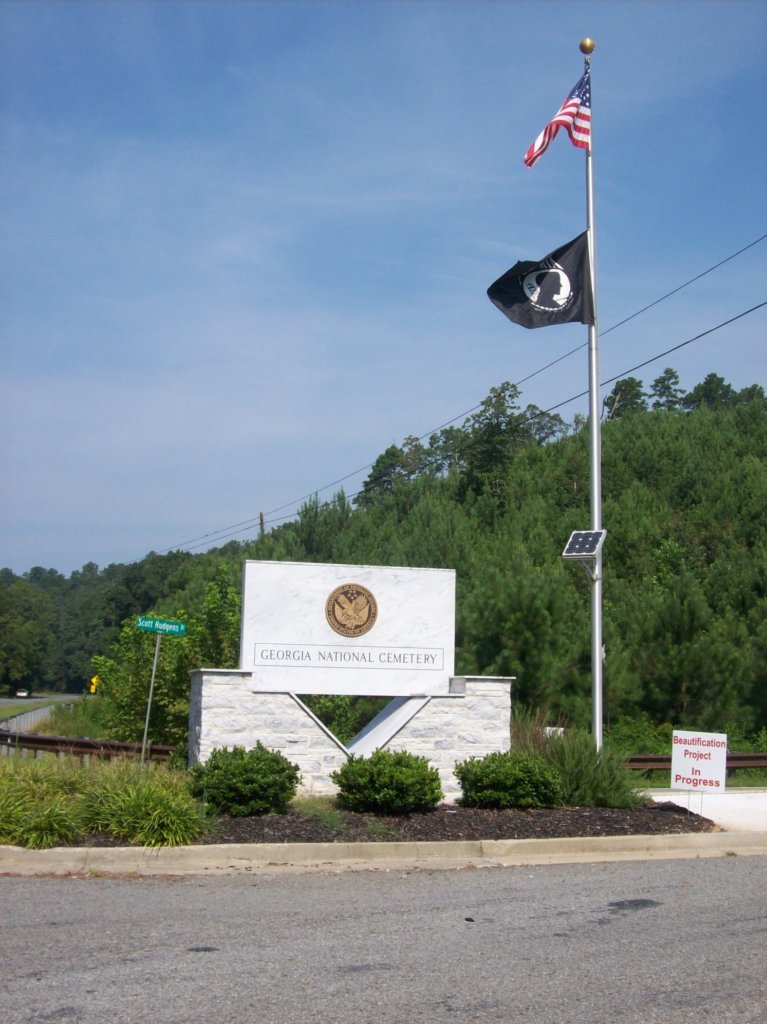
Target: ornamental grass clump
38	824
148	805
12	808
153	815
51	821
41	776
244	782
509	780
530	731
388	782
591	777
40	806
46	803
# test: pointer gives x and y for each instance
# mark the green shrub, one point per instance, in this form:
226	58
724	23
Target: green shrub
243	782
638	735
388	782
509	780
591	778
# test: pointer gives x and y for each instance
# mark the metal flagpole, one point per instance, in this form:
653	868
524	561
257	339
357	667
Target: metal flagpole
595	445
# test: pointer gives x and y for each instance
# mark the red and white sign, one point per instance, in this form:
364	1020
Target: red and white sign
699	761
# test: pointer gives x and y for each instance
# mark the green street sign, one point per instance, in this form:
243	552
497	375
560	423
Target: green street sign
168	627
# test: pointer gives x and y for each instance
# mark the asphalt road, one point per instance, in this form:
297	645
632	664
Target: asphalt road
22	704
636	943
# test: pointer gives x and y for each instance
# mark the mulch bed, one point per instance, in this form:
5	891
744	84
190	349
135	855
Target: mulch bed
448	822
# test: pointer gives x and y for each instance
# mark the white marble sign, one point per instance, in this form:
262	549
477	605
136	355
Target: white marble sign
354	629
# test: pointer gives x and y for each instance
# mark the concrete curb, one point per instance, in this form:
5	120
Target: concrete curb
236	858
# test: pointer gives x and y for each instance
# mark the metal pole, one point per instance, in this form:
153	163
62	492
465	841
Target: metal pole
595	448
151	691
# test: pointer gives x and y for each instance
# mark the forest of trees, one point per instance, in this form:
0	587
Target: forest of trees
684	481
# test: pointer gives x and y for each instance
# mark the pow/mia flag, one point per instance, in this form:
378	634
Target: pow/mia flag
556	290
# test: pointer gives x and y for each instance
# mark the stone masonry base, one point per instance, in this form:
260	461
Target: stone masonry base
473	720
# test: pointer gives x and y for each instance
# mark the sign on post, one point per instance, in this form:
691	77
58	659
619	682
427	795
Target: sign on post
165	627
162	627
699	761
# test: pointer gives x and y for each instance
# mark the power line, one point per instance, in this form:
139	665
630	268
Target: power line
558	405
655	358
229	531
683	343
681	286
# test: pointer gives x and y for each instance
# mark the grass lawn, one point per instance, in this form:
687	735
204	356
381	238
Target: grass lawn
20	707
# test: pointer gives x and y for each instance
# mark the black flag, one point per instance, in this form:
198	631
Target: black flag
556	290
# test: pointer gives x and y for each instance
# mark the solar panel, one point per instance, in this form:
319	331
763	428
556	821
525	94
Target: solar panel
584	544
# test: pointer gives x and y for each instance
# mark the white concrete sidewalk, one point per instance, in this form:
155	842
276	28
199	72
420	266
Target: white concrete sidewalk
739	810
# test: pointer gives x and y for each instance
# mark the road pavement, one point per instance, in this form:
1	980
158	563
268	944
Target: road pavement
641	943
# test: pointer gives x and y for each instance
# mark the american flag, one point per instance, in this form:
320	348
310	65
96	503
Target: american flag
574	115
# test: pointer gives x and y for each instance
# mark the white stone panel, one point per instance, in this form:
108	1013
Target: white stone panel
289	645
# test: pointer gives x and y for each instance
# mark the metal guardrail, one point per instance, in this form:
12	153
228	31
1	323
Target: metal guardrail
81	747
662	762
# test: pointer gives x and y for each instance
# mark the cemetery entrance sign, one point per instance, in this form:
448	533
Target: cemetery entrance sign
369	631
372	630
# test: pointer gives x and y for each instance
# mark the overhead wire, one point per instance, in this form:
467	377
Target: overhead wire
244	525
682	344
550	409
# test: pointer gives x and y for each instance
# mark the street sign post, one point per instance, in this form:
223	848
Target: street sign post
165	627
162	627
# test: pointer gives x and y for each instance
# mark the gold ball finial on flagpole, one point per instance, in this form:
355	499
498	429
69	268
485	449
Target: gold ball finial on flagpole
587	45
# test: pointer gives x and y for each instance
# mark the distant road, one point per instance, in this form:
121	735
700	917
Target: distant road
24	703
639	943
10	707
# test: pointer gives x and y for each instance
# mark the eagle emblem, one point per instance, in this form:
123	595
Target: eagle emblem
351	610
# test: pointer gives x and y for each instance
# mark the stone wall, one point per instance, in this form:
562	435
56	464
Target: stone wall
224	712
448	730
472	721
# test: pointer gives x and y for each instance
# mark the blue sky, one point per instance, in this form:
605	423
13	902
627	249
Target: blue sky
245	246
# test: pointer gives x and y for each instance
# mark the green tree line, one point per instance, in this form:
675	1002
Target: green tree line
685	585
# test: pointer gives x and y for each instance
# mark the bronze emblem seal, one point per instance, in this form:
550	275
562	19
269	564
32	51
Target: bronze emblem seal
351	609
